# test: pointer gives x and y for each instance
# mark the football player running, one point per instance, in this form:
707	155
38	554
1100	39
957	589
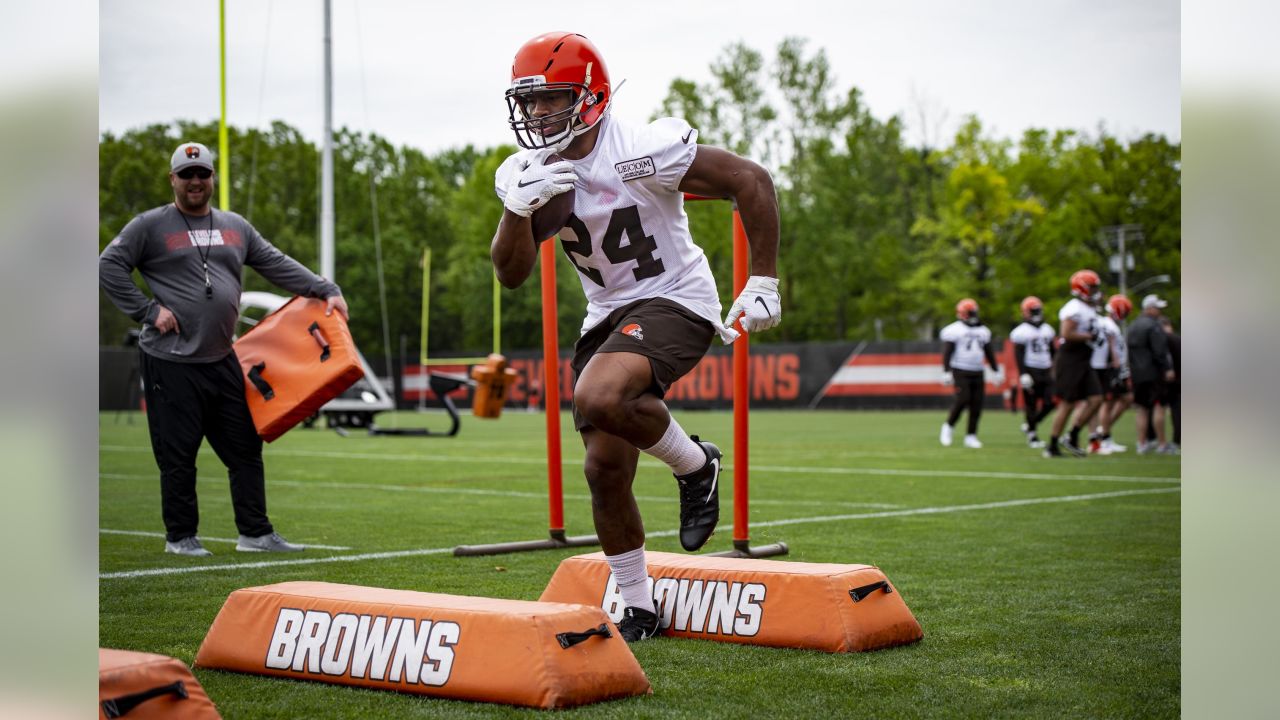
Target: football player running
1033	351
966	342
1074	381
652	305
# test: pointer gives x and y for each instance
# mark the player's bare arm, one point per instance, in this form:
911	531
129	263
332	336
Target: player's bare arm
719	173
1070	332
513	250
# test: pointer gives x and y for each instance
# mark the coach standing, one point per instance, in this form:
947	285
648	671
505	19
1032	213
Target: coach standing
191	257
1151	367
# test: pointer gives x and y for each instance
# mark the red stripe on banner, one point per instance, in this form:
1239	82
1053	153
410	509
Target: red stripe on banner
854	390
897	359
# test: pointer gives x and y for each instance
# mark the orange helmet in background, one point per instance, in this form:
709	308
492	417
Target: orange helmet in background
1032	309
1120	306
1086	285
554	62
967	310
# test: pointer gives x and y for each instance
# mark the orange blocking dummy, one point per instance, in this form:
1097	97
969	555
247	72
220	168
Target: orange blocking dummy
294	361
518	652
492	381
149	687
818	606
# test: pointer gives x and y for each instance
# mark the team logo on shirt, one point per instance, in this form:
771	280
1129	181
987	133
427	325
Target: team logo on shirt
634	331
638	168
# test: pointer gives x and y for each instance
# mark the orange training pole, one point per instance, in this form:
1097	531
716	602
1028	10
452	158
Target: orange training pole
551	388
741	388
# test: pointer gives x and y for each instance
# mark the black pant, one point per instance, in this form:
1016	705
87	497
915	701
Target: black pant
1038	399
187	402
1173	394
970	392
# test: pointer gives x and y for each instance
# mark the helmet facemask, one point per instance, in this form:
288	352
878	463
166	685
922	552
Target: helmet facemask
529	130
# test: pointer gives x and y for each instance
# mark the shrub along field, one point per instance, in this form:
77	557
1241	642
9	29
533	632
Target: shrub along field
1044	587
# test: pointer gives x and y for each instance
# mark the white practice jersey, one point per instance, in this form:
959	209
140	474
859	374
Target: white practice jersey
629	235
970	341
1082	312
1110	336
1037	340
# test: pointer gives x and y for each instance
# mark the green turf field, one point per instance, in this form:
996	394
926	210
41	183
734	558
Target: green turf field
1045	588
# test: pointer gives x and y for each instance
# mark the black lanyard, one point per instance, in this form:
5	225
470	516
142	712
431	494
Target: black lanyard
204	252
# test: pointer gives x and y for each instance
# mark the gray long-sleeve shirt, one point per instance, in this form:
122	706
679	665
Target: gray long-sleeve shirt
171	259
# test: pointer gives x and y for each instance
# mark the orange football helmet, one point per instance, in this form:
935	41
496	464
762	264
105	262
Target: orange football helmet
1032	308
1120	306
552	62
1086	285
967	310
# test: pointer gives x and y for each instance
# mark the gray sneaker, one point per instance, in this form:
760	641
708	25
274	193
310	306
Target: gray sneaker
189	546
267	543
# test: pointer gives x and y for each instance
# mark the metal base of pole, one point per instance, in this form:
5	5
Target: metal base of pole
556	541
743	549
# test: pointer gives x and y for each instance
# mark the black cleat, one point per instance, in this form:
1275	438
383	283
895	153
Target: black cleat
700	499
637	624
1052	452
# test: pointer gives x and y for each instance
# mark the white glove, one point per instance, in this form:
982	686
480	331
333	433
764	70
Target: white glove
759	305
536	184
946	378
1027	382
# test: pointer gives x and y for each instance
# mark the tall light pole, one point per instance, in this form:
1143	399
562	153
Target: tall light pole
1120	262
326	157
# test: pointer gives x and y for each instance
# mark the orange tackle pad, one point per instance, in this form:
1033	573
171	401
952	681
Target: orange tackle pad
818	606
518	652
294	361
149	687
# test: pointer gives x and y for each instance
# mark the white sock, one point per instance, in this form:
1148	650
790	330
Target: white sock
632	575
677	450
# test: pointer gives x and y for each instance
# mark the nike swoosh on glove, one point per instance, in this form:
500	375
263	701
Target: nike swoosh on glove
758	305
536	184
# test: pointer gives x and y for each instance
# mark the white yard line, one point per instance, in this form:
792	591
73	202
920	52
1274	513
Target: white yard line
663	533
783	469
673	498
205	538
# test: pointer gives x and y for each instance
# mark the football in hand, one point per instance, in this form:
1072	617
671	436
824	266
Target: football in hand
548	219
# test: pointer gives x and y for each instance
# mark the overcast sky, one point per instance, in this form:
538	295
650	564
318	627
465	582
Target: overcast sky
431	74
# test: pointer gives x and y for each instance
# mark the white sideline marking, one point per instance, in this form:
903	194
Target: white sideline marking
661	533
275	563
307	484
785	469
203	538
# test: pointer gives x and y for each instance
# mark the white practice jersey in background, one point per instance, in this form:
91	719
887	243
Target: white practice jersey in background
1110	336
629	235
970	343
1082	312
1037	340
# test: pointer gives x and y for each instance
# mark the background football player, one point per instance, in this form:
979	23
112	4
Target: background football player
966	342
1117	397
652	305
1074	381
1033	351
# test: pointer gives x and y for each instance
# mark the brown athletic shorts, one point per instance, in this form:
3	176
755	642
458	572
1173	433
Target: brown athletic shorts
669	334
1073	379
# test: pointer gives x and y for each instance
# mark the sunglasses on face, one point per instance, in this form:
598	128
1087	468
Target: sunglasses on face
188	173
